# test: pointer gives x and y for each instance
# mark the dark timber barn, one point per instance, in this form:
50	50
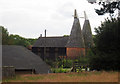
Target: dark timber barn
68	47
23	60
50	47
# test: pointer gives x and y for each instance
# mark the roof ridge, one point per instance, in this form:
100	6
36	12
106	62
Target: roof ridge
54	37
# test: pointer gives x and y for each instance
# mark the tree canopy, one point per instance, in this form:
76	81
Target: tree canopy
108	7
107	47
10	39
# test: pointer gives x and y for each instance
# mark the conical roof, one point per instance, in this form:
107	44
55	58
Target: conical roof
87	34
76	38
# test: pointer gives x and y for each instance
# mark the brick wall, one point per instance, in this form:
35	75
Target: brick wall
75	52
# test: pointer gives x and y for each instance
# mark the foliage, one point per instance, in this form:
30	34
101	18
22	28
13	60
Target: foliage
107	38
51	63
17	40
60	70
66	35
83	60
108	7
68	63
4	35
10	39
61	63
106	51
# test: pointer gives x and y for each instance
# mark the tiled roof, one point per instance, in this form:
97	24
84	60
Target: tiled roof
87	34
51	42
22	58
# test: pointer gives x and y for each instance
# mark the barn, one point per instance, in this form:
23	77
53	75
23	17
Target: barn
71	46
50	47
23	60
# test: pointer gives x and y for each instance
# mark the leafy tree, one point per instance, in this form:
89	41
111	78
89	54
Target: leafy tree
67	63
4	35
107	38
108	7
31	41
18	40
107	47
15	39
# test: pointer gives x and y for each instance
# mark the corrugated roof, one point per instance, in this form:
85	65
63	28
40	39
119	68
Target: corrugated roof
22	58
76	38
87	34
51	42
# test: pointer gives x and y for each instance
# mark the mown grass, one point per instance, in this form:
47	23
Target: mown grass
96	76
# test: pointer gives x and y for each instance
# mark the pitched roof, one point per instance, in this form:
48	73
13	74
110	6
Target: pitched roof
22	58
76	38
87	34
51	42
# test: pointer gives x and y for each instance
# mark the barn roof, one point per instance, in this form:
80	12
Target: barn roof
51	42
76	38
22	58
87	34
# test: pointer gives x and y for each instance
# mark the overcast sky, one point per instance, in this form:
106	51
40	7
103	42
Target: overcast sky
29	18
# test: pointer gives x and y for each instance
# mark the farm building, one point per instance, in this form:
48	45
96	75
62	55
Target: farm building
75	46
50	47
23	60
71	46
87	33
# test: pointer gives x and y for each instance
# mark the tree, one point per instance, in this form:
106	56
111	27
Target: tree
4	35
10	39
18	40
108	6
107	47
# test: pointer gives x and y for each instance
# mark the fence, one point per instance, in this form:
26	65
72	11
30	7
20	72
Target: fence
8	71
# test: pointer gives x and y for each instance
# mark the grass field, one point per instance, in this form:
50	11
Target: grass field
67	77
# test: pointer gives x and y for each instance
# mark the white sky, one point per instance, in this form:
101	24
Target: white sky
29	18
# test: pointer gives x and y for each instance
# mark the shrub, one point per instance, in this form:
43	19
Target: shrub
60	70
68	63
